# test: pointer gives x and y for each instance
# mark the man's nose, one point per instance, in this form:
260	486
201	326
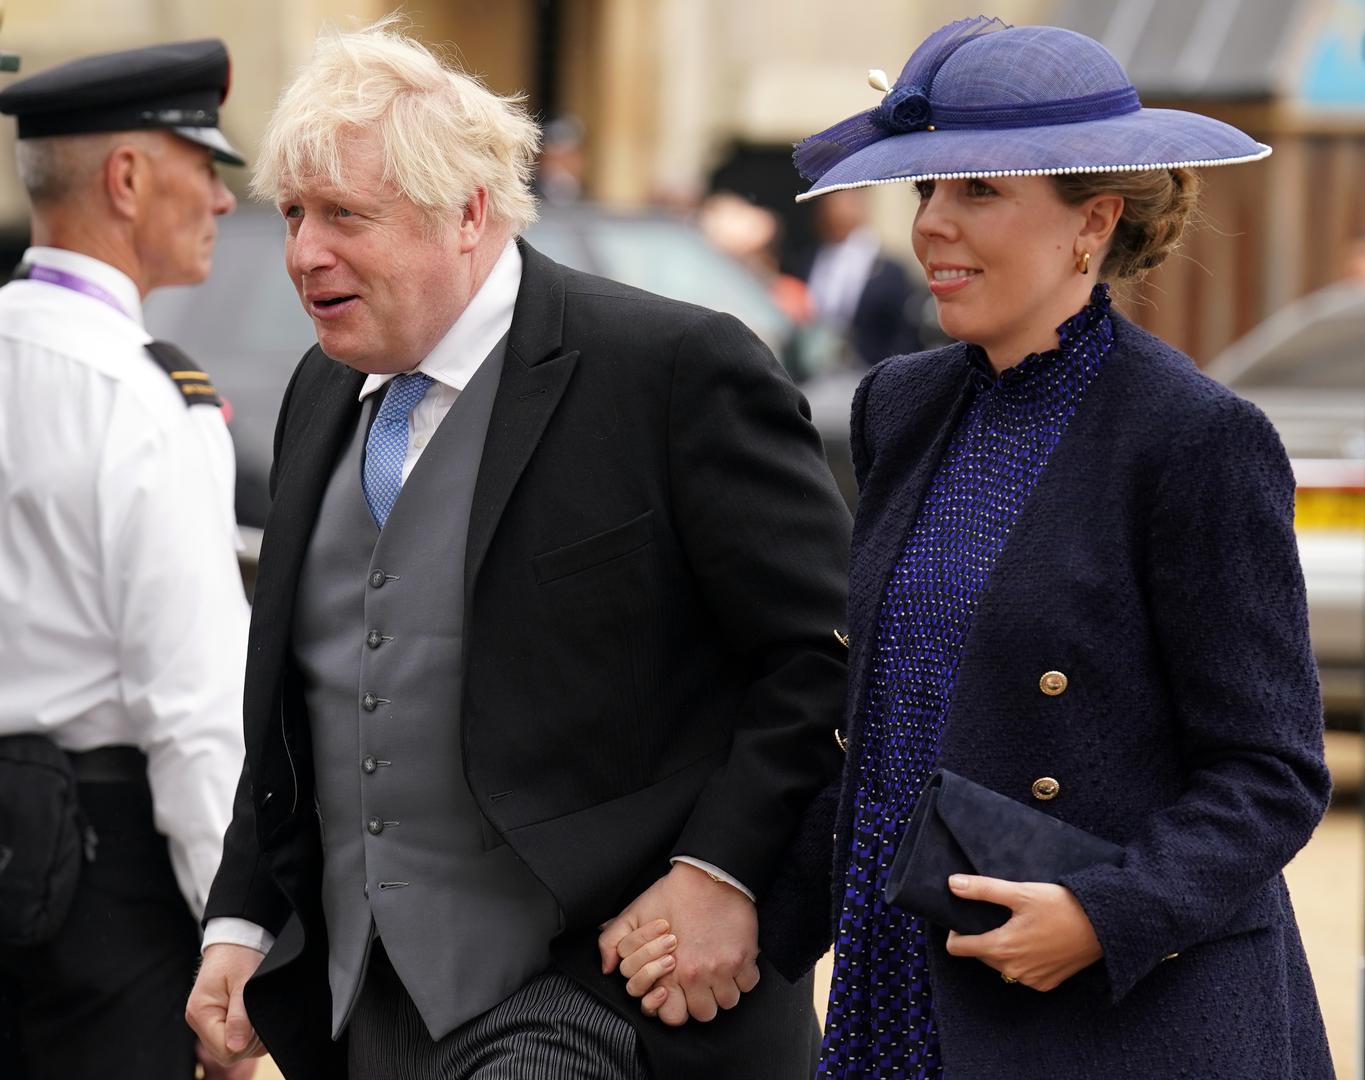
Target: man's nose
224	201
308	250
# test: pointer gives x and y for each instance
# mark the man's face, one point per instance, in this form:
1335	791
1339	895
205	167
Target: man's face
381	281
186	195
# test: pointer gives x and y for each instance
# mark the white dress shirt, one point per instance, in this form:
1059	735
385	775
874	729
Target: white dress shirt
122	616
451	364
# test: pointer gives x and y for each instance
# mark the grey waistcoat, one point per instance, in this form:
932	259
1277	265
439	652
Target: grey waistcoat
378	638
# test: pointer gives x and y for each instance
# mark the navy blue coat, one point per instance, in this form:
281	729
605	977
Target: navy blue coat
1155	566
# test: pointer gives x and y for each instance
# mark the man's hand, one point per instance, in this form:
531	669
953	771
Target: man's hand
715	927
1046	941
242	1070
215	1010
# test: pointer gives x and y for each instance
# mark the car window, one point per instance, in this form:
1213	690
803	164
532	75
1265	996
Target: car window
561	243
675	261
1315	343
248	278
1335	367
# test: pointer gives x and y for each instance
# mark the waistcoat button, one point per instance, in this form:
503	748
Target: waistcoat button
377	579
369	764
369	703
375	826
374	639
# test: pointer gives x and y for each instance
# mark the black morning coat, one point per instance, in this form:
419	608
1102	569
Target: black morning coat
656	566
1155	566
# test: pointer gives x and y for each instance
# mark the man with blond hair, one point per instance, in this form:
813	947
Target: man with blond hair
543	669
122	617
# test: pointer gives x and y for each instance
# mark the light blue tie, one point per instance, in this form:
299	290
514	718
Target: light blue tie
387	444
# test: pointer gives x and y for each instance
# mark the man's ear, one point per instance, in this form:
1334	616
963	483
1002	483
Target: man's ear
126	178
473	220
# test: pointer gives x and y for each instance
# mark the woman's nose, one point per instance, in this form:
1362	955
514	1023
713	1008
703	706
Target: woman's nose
934	218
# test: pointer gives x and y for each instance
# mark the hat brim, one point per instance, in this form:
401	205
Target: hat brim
1146	139
215	140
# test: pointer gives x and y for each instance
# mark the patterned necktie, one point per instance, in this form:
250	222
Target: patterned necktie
387	445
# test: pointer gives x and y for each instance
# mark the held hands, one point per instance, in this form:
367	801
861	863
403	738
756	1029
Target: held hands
1047	939
215	1010
692	940
212	1070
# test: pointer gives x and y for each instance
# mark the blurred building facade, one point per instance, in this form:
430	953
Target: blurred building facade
676	94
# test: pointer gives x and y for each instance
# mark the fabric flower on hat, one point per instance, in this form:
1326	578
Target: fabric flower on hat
905	108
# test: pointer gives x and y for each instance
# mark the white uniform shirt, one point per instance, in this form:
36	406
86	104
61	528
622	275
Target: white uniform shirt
122	616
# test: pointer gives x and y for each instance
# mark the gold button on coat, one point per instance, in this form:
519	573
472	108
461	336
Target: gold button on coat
1052	683
1045	788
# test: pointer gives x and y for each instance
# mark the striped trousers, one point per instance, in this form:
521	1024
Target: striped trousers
550	1029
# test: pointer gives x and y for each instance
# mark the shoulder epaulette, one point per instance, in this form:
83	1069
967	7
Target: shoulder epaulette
194	384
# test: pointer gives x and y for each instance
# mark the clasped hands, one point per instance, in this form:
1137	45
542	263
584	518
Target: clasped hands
677	975
687	946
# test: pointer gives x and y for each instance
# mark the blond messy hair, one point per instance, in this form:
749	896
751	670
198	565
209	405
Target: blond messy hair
444	134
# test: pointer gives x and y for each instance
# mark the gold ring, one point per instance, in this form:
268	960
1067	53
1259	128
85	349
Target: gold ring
1009	979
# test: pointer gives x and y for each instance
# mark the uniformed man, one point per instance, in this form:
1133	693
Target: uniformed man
122	616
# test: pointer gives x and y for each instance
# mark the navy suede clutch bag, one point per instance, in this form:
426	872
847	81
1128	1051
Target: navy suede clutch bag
960	827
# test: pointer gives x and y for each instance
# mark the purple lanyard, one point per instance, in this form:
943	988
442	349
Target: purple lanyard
74	283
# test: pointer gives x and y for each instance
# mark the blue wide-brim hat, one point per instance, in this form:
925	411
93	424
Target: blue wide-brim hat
980	98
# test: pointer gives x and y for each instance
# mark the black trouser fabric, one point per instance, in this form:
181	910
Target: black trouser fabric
550	1029
106	998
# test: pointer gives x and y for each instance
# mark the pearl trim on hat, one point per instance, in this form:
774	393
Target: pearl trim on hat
1060	171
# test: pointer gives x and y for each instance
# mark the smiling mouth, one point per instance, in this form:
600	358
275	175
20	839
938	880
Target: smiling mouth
332	301
954	275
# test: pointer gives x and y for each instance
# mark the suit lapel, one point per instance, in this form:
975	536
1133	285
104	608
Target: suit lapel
534	375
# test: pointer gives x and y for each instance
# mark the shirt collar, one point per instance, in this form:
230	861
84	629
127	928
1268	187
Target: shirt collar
107	277
482	324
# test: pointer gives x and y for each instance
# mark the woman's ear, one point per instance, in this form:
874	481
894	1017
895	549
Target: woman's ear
1100	214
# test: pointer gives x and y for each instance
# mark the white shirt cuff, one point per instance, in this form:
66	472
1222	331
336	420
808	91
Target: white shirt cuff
706	867
226	931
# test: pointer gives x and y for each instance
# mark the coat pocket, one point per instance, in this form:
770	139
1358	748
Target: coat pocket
594	550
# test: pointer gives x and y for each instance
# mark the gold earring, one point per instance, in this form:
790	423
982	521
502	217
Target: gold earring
1083	262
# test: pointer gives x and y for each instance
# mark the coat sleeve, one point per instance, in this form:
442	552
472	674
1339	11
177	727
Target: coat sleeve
766	534
243	887
1226	599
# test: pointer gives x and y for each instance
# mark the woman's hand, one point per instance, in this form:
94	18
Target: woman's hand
646	956
1046	941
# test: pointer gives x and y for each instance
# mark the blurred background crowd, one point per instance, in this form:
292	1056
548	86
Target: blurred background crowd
668	127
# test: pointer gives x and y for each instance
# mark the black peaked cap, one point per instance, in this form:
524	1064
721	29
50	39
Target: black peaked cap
177	86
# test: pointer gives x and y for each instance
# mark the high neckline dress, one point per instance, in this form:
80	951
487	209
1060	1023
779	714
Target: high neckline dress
880	1020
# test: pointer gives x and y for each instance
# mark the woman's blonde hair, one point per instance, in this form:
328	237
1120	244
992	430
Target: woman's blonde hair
1157	205
444	134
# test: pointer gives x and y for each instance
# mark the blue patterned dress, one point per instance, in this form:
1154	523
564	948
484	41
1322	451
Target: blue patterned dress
880	1021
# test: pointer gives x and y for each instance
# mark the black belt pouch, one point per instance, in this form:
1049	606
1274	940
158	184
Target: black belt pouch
41	839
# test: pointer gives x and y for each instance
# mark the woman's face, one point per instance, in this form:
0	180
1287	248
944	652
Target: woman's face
1000	256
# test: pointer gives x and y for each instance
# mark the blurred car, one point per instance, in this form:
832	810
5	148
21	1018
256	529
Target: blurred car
246	326
1305	367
